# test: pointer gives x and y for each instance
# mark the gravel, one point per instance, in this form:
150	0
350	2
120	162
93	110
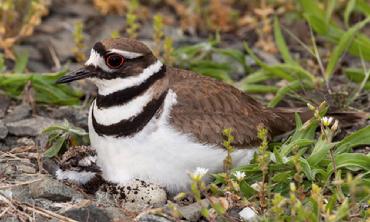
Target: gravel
19	112
54	190
30	127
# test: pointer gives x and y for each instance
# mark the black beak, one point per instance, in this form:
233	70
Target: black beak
81	73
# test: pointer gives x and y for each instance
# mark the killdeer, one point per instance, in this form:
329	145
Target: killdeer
157	123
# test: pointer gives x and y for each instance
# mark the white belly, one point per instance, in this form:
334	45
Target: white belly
159	154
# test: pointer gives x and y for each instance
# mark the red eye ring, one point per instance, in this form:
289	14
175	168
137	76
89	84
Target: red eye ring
114	60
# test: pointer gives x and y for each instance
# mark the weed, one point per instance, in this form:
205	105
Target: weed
18	20
296	180
158	34
131	19
111	6
79	38
63	135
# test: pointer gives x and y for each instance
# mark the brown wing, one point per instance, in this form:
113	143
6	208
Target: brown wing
205	107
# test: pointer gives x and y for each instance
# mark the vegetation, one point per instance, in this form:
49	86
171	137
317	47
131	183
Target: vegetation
313	174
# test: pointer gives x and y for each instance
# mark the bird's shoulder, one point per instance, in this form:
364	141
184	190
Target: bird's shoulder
205	107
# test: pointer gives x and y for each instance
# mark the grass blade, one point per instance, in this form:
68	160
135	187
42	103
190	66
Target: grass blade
281	44
343	44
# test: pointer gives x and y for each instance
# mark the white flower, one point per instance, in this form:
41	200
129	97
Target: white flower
239	175
248	214
199	173
326	121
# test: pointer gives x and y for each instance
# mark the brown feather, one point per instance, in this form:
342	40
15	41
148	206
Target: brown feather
205	107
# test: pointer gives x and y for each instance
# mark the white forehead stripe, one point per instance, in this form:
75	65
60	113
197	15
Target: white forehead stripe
126	54
97	60
108	86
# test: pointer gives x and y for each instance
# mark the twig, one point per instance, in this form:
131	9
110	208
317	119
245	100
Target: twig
46	213
19	184
4	212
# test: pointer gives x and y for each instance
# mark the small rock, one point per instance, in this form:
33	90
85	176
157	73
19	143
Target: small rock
3	130
192	212
50	165
9	219
19	112
30	127
248	214
116	214
20	193
88	214
25	141
51	189
151	218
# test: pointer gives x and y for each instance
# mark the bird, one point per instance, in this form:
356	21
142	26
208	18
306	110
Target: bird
157	123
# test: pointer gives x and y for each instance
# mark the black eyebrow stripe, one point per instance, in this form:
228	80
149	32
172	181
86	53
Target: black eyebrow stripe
99	48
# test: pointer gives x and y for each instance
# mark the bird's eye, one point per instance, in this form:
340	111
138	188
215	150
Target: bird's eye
114	61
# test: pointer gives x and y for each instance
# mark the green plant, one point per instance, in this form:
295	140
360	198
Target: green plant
79	39
307	177
18	20
158	34
131	19
46	91
201	58
64	135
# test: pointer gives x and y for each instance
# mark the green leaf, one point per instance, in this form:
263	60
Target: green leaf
348	11
291	87
55	147
259	76
275	71
258	88
360	137
330	9
351	161
320	152
307	169
281	44
46	91
282	177
311	6
357	76
295	144
21	62
246	189
342	46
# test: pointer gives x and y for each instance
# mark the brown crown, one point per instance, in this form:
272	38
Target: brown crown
126	44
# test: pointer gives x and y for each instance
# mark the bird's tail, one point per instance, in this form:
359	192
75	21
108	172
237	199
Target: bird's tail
285	120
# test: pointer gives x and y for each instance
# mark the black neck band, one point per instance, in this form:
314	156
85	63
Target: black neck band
123	96
133	125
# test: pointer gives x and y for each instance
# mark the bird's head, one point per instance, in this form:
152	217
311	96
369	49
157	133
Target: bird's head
115	60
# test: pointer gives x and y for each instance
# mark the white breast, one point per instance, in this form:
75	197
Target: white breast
159	154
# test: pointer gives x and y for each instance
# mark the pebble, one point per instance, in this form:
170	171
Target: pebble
192	212
88	214
54	190
152	218
19	112
30	127
248	214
